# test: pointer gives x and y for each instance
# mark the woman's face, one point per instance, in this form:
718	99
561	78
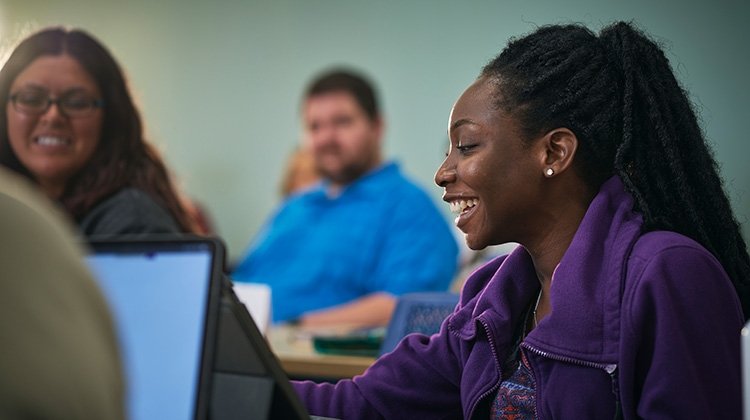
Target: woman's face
52	145
491	178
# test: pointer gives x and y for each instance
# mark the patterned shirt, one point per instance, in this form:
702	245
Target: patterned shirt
516	398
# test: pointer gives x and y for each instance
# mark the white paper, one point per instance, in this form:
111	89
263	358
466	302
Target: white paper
257	300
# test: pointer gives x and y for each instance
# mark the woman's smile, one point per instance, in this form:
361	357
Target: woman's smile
491	178
464	209
52	145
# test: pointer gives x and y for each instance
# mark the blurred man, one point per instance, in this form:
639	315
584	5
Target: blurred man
342	251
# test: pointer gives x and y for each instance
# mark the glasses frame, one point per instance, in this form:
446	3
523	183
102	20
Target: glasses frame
93	104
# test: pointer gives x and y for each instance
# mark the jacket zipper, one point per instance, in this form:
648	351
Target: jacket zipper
495	359
610	368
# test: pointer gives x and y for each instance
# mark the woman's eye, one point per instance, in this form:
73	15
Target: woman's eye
33	99
77	102
464	148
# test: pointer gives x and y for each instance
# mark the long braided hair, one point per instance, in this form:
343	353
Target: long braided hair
618	94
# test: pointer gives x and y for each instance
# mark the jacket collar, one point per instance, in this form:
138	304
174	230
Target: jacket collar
585	292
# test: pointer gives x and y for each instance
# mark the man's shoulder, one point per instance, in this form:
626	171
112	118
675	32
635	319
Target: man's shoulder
396	181
300	199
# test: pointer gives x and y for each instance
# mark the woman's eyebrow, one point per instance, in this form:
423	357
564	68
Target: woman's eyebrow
37	87
32	86
459	123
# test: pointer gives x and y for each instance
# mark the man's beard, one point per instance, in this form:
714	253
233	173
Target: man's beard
344	175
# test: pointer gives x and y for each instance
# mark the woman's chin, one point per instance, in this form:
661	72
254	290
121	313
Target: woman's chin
475	243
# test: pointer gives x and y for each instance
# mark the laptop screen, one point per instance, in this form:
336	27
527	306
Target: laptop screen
164	297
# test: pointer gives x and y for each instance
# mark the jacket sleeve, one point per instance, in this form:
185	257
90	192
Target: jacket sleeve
681	332
419	379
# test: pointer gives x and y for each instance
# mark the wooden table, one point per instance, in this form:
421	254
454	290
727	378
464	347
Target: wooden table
295	351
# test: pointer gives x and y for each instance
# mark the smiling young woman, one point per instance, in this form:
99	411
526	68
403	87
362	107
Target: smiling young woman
71	127
585	150
50	142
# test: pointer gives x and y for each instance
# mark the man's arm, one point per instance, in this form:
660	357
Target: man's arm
372	310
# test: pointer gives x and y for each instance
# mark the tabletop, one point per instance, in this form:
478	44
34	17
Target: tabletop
294	349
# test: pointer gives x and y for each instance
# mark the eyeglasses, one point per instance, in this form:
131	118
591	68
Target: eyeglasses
73	104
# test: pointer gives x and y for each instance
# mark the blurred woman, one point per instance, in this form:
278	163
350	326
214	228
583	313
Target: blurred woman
70	125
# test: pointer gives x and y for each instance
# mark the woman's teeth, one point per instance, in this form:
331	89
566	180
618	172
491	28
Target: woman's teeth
51	141
459	206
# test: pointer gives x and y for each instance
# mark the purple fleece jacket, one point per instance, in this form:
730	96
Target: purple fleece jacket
649	320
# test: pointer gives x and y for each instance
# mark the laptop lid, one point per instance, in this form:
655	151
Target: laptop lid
165	297
248	380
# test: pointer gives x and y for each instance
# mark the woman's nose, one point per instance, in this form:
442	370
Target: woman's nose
53	113
445	174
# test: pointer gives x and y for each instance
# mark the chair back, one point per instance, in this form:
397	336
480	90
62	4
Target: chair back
421	312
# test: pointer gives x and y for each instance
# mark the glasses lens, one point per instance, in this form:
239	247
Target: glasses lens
74	104
77	105
30	102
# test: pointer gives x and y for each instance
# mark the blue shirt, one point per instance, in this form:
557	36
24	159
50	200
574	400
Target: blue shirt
381	234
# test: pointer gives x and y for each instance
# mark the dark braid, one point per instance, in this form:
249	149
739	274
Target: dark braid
618	93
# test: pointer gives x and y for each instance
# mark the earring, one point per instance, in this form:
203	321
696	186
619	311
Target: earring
549	172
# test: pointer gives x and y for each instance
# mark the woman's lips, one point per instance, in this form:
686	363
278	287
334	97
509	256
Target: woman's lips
464	209
51	144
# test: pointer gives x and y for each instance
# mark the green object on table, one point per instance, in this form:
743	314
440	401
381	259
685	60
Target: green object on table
361	342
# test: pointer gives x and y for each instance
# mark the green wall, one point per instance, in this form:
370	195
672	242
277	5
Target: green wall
219	82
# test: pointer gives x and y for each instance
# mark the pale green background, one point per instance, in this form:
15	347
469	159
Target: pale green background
219	82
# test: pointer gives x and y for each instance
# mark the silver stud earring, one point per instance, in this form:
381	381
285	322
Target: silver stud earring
549	172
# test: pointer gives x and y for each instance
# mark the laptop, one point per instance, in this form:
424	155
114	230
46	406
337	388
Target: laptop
165	297
190	348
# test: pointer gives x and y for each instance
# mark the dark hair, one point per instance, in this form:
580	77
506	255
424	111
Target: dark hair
618	94
345	80
123	158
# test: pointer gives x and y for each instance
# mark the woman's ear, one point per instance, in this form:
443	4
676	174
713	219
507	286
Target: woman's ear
560	147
